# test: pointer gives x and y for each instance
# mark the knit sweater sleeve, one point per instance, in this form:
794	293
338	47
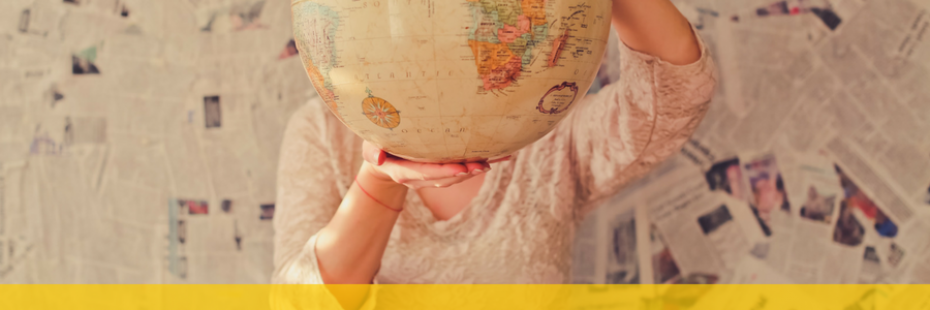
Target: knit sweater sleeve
317	164
619	134
307	199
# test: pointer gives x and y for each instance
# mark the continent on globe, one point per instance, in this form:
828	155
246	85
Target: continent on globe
569	24
380	112
475	79
316	40
535	10
503	36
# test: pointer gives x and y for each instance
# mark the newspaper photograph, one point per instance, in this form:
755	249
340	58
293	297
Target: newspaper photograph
725	235
267	211
702	233
664	268
194	207
863	208
767	189
219	18
849	231
226	206
290	49
871	270
818	188
622	261
818	206
83	65
727	176
181	231
213	117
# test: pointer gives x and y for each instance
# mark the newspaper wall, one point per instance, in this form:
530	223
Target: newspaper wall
139	139
813	165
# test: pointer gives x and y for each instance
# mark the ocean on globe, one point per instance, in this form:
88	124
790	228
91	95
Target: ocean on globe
451	80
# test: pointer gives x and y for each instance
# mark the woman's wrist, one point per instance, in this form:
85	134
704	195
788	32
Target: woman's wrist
380	188
378	181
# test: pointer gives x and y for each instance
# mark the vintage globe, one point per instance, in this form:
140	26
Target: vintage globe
451	80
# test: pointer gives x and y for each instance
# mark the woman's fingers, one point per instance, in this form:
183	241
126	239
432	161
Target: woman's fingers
416	184
416	174
405	169
476	168
373	154
500	159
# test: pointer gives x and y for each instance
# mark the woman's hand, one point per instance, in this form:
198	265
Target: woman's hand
418	175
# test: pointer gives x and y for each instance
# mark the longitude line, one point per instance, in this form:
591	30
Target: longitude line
436	79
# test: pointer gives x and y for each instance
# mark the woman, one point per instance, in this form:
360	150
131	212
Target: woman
349	213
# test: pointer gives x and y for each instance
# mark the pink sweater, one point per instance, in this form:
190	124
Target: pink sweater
520	227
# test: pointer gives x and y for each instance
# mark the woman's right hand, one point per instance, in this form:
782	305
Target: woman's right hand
350	247
417	175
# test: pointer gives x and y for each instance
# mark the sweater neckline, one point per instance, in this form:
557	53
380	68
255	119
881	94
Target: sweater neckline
422	214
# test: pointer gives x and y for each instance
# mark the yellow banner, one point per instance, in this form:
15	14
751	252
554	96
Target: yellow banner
658	297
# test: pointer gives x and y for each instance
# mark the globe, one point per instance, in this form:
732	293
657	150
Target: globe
451	80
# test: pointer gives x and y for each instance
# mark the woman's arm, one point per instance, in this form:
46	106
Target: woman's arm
315	214
655	27
325	234
312	181
314	178
667	81
350	247
667	78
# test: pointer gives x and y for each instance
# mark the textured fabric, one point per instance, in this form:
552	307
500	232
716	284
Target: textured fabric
520	227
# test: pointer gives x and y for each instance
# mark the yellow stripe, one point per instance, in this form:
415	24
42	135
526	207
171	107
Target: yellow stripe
665	297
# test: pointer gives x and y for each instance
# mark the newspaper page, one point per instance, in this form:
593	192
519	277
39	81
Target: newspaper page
700	230
611	242
115	108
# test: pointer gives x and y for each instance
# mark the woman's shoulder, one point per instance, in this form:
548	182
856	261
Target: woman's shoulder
315	121
313	127
312	113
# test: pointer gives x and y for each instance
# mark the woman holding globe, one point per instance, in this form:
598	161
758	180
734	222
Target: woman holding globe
348	212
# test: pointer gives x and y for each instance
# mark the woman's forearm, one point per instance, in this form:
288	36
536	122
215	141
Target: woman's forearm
655	27
350	247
